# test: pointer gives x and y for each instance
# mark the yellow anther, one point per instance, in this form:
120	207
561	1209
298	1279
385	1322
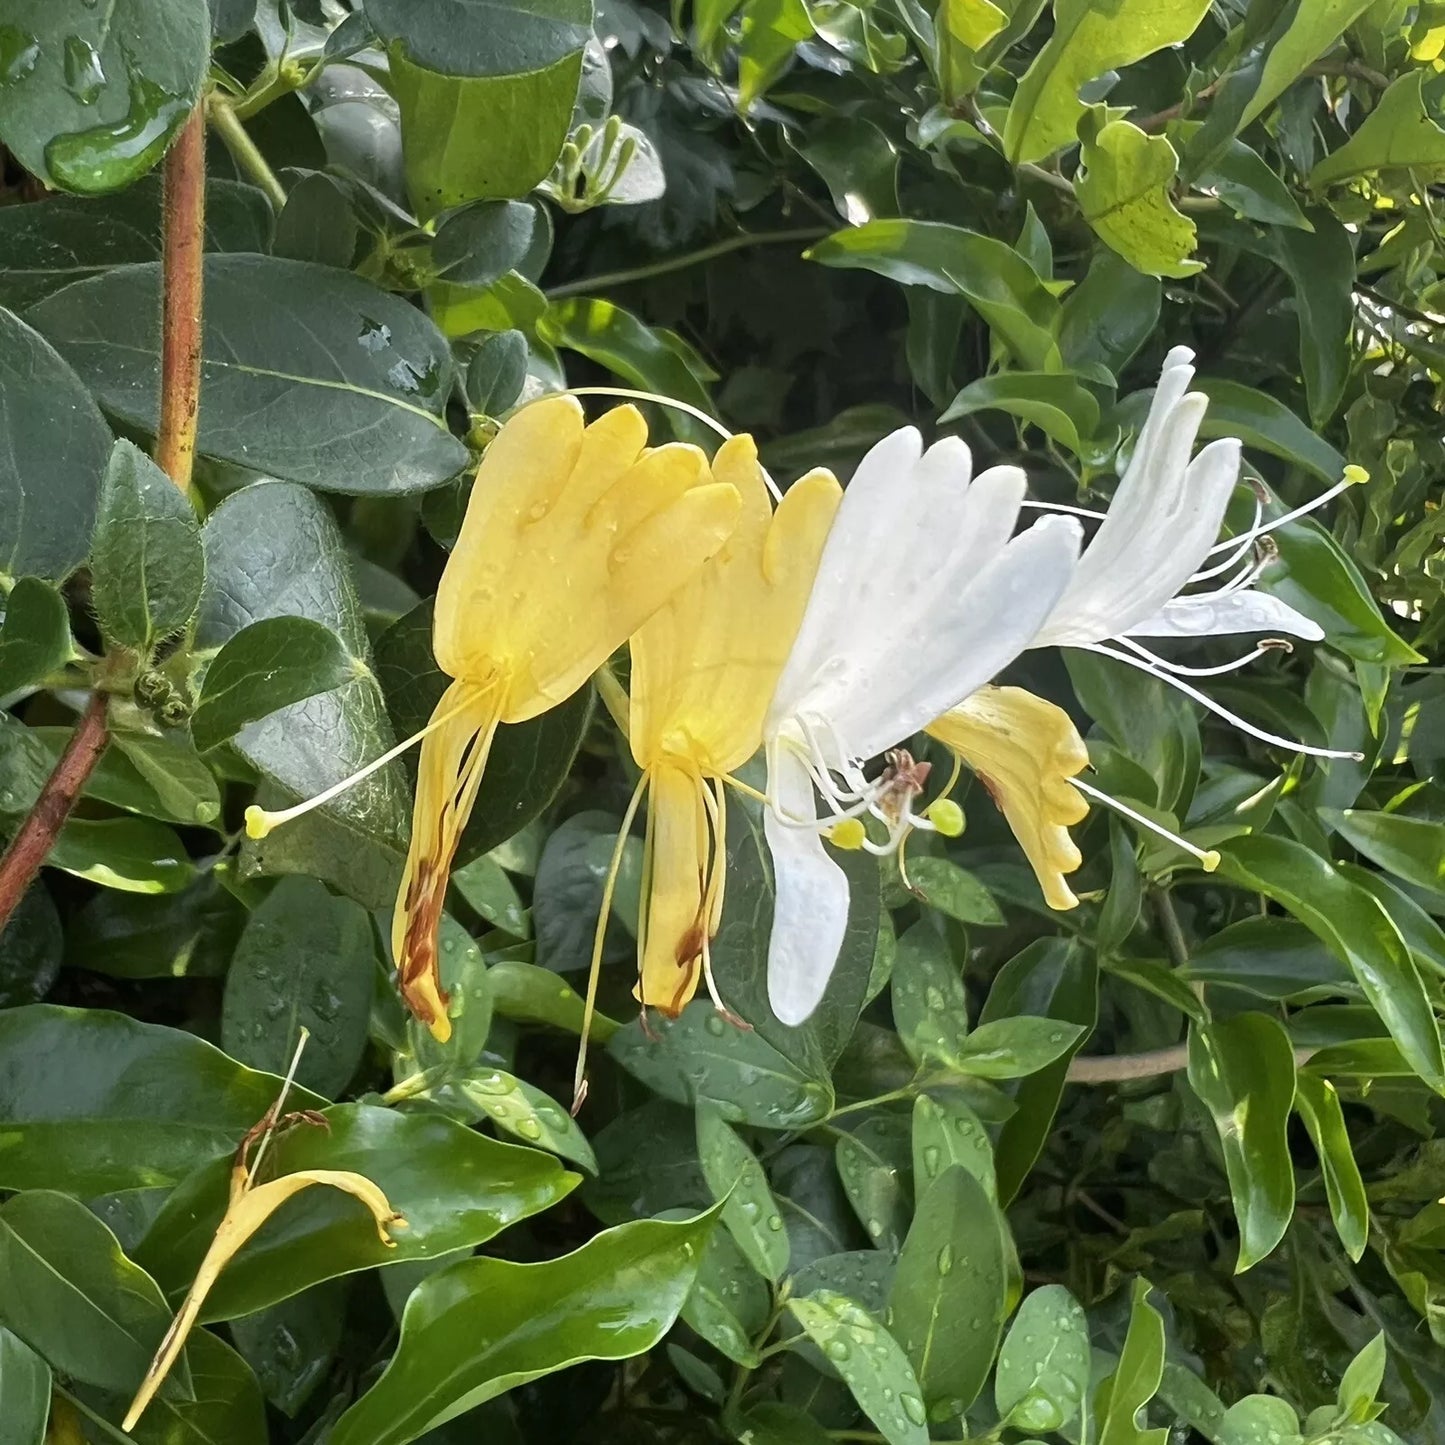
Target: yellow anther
1355	474
258	822
848	834
1210	861
946	816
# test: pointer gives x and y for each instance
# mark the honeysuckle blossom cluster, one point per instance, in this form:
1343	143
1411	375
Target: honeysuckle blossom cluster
826	632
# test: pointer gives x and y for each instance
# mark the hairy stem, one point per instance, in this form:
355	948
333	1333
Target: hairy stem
224	120
29	847
183	237
678	263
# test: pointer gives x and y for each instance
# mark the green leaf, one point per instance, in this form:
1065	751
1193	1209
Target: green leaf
1398	133
872	1160
1319	1106
137	855
1406	848
946	1132
1261	421
1243	1071
943	885
455	1189
273	549
1055	402
1244	181
50	243
1321	264
483	1326
70	1294
930	1010
1109	315
531	994
528	763
35	639
701	1057
1259	1417
1042	1379
53	449
483	37
645	356
1360	1384
949	1294
997	282
30	948
1163	981
1275	958
265	667
1120	1398
487	888
93	97
771	31
1087	40
1356	927
146	563
497	372
24	1392
1124	189
729	1301
738	1183
523	1110
305	960
470	138
308	373
873	1365
94	1101
480	243
292	1345
1013	1047
1313	28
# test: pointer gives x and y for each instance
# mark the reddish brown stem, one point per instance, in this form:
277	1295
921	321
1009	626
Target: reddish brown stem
30	845
182	252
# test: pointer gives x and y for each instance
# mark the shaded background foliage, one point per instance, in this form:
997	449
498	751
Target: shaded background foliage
1168	1163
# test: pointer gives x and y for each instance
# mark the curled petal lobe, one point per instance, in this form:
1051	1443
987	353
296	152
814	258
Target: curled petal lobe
810	907
449	772
1216	615
1025	750
677	923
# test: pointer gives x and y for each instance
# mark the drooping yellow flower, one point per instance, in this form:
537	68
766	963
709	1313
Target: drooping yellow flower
1025	750
574	536
704	667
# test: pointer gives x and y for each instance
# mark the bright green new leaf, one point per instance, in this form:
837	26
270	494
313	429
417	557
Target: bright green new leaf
1318	1104
1088	39
771	31
1136	1378
1312	29
1407	848
1057	403
1123	186
1399	132
1243	1071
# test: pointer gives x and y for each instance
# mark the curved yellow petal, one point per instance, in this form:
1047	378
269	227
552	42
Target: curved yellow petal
676	922
449	772
1025	750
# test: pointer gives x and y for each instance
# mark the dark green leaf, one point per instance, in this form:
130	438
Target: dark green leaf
871	1362
946	1132
930	1011
1243	180
24	1392
146	563
873	1163
136	855
524	1111
265	667
1357	928
305	960
1109	315
54	445
308	373
484	1326
93	97
736	1178
480	243
496	373
953	890
35	639
1321	264
729	1301
1010	1048
95	1101
1406	848
1261	421
453	1187
1243	1071
1055	402
949	1295
30	948
291	1346
483	37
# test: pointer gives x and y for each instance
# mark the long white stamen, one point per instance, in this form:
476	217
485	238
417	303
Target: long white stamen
1269	644
1064	507
1268	552
1293	744
1208	858
696	412
1284	521
1245	543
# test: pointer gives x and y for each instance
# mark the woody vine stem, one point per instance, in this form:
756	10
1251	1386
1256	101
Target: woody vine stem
182	244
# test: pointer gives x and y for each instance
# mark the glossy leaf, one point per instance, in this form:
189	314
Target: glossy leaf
453	1187
1243	1071
946	1132
1319	1106
1321	264
1399	132
483	37
949	1294
1056	403
736	1178
521	1110
1136	1378
135	855
930	1010
1357	929
1260	421
483	1326
873	1159
1406	848
308	374
954	891
1042	1379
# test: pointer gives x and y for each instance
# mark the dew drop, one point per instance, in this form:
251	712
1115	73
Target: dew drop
715	1026
84	78
529	1129
775	1223
932	1157
913	1408
837	1349
18	53
945	1259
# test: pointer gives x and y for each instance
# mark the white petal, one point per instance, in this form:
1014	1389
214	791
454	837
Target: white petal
975	630
1217	616
810	907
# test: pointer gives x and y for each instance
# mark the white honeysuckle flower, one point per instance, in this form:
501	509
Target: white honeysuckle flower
922	595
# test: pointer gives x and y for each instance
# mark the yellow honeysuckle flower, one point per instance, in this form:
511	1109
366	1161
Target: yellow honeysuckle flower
1025	750
704	667
574	535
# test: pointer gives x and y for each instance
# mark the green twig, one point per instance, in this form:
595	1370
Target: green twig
225	122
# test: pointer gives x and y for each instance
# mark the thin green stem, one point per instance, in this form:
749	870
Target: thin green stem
227	124
743	1373
907	1092
608	279
1174	939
